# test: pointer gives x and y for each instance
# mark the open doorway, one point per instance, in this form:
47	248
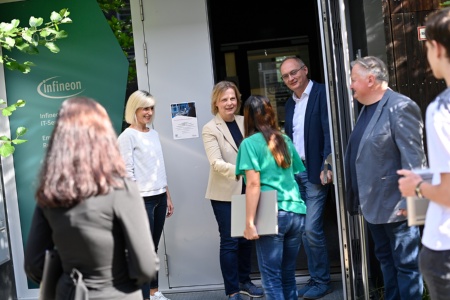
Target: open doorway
248	43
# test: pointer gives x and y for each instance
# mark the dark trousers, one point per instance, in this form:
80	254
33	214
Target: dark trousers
397	250
435	268
156	207
235	253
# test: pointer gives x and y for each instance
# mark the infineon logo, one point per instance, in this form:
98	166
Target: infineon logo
59	89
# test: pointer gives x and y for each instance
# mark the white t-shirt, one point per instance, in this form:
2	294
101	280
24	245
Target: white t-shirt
436	235
144	160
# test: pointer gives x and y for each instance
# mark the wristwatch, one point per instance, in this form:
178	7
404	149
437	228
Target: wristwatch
418	191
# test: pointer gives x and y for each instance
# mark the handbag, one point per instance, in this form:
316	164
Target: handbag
50	277
52	272
79	290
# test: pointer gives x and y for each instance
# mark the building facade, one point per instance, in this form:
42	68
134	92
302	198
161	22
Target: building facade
182	48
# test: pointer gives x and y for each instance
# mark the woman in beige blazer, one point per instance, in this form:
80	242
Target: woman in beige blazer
221	138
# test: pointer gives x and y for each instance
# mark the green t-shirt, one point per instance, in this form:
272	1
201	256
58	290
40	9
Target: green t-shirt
254	154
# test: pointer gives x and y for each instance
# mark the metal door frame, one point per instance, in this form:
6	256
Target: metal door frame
335	32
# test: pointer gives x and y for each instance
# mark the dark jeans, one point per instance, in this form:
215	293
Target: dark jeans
397	250
235	253
156	207
313	237
435	268
277	256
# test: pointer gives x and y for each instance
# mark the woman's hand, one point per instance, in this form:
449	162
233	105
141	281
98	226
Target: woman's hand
250	232
170	206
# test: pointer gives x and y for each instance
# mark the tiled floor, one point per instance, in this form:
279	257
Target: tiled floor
220	295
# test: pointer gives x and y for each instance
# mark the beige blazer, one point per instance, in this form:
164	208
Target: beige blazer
221	151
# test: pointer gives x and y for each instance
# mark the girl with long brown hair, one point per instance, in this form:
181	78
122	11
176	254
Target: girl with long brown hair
268	160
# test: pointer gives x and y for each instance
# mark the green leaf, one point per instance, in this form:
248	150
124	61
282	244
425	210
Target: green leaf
18	141
44	33
66	20
27	35
4	138
52	31
6	150
36	22
61	34
7	111
7	27
2	101
31	50
12	65
22	46
64	12
11	108
52	47
15	23
4	45
20	103
21	131
24	68
10	42
55	17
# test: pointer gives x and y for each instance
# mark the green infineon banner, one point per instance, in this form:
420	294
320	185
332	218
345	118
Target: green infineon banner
90	63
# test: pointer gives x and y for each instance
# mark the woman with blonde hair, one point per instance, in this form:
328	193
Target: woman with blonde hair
141	149
221	138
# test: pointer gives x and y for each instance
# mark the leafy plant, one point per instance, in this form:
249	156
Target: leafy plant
27	40
122	29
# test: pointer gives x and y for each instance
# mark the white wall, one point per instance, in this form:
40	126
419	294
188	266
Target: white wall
180	70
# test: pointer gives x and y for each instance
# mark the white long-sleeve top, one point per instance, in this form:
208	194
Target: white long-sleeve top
144	160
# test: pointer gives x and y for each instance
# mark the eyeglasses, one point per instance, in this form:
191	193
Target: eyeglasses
291	73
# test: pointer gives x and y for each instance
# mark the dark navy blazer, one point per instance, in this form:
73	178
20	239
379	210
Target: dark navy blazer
317	130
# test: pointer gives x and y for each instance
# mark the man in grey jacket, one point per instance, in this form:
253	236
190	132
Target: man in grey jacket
386	137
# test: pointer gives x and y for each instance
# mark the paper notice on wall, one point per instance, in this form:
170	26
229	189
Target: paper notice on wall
184	120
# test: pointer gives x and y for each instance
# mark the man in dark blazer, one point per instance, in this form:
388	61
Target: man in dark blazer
306	123
387	137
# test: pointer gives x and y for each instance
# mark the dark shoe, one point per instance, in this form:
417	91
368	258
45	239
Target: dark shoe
307	287
317	291
251	290
236	296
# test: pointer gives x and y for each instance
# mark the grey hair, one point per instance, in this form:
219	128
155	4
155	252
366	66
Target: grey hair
374	66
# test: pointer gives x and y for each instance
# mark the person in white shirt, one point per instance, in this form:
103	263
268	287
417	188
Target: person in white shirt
141	149
306	123
434	258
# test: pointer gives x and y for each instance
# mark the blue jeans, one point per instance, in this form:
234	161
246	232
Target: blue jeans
156	207
397	250
235	253
277	255
435	268
315	196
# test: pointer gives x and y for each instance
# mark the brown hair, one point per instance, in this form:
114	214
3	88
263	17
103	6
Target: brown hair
438	28
259	116
82	158
218	90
